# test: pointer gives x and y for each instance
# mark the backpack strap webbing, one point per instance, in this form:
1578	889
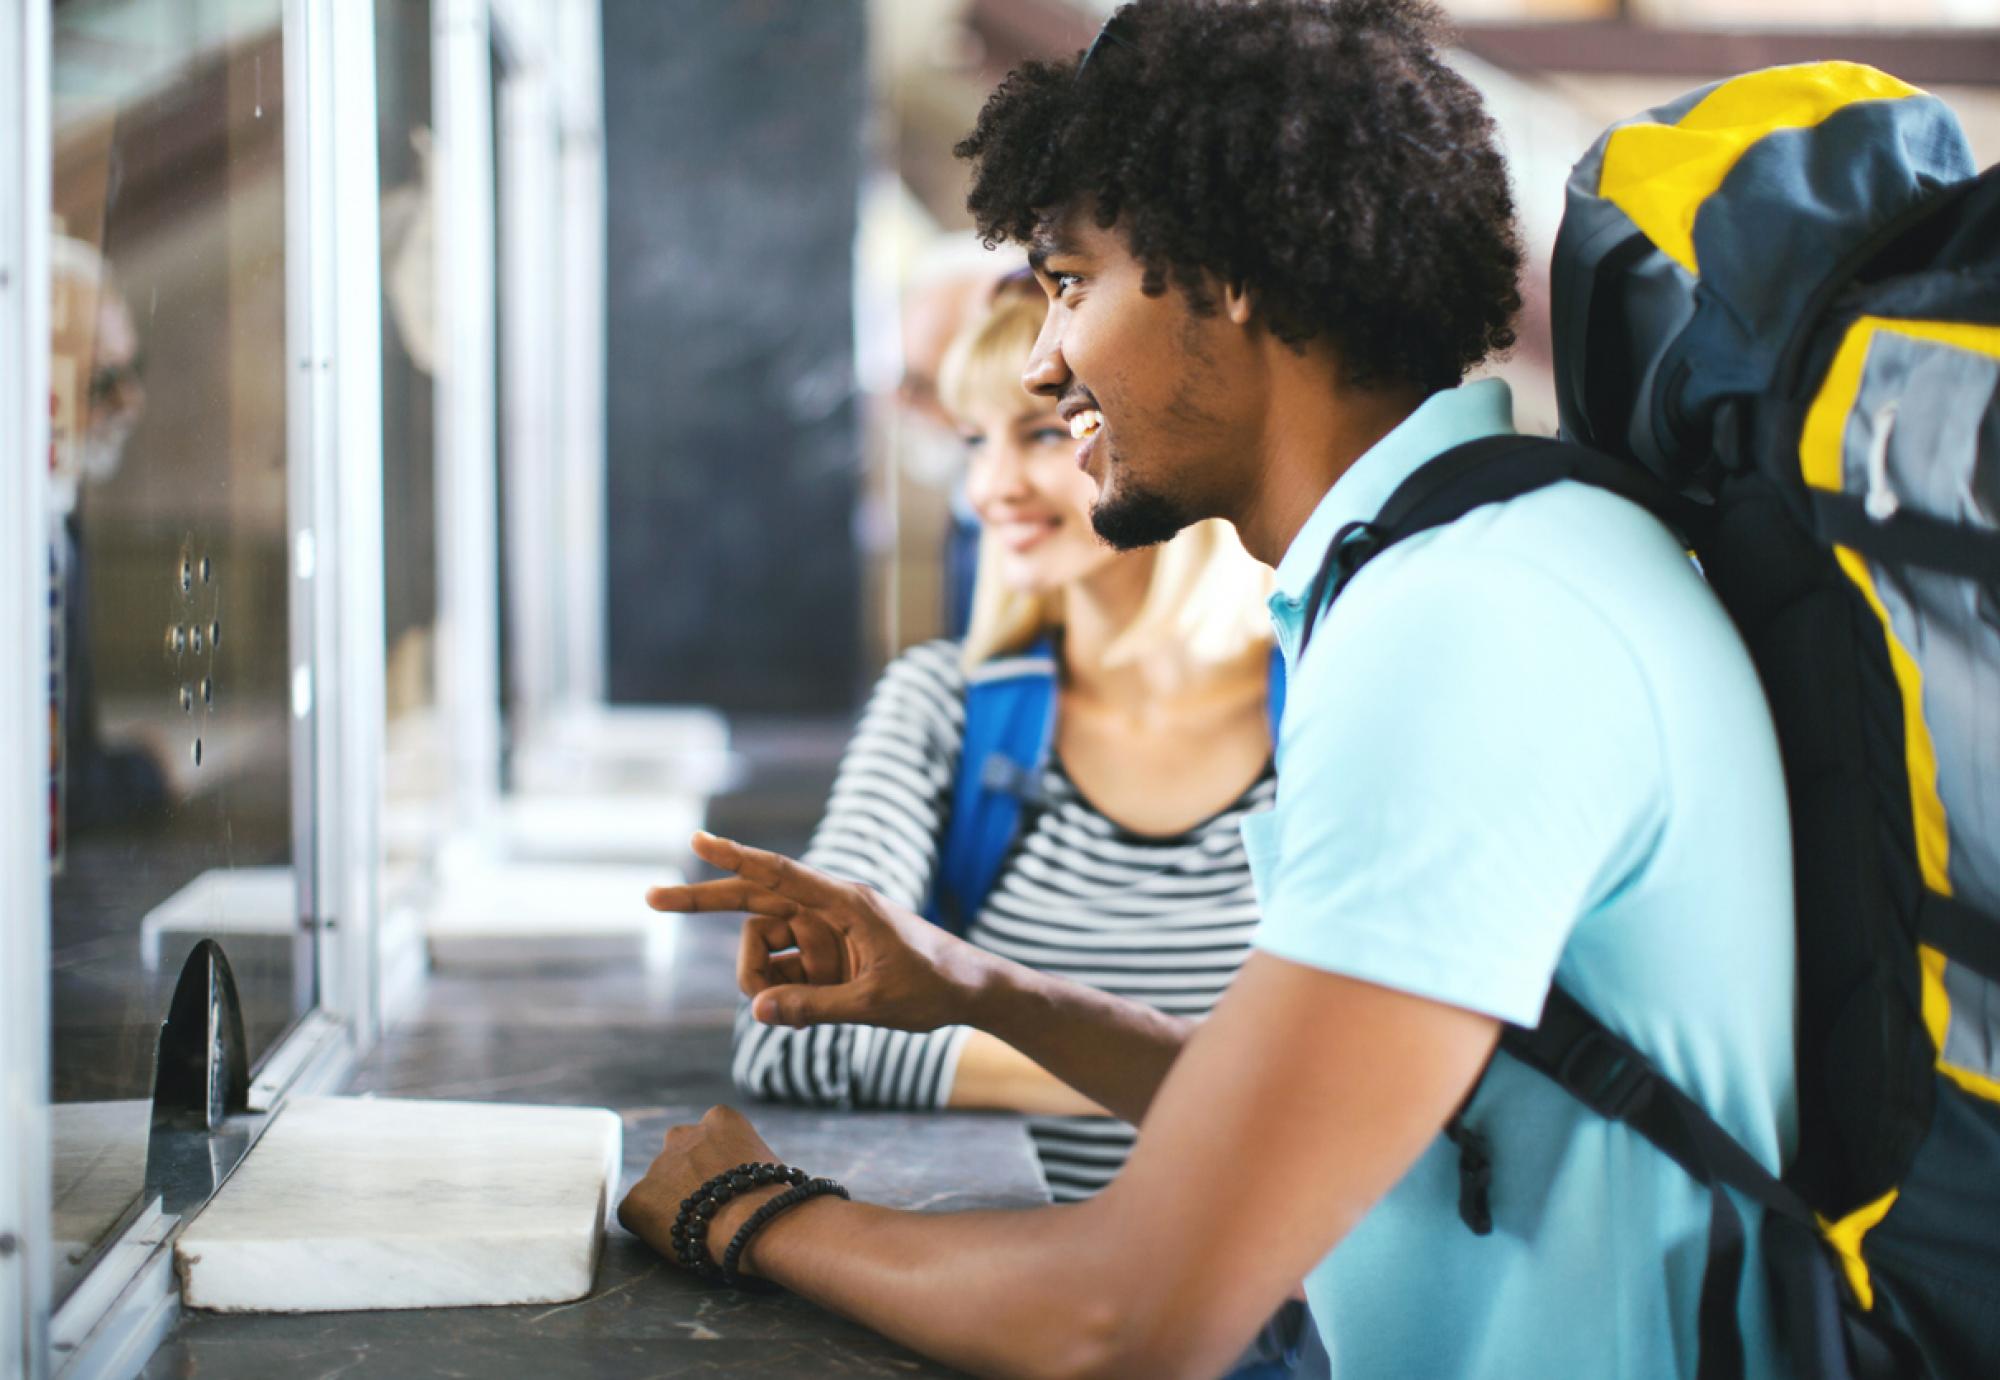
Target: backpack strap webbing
1607	1074
1491	470
1577	1052
1909	538
1009	724
1964	934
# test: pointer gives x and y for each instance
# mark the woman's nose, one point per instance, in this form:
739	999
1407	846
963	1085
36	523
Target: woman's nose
999	472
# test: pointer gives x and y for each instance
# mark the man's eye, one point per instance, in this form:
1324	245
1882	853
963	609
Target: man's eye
1064	282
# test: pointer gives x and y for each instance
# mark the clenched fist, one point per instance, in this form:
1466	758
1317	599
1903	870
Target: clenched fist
690	1157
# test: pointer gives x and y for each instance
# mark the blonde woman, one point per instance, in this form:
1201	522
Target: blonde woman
1128	872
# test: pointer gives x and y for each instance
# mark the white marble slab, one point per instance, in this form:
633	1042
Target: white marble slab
359	1203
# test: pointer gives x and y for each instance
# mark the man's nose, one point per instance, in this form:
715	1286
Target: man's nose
1047	374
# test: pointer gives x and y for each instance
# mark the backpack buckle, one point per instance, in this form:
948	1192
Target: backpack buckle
1606	1074
1004	775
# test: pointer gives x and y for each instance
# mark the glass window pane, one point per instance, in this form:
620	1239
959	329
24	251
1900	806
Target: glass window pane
170	679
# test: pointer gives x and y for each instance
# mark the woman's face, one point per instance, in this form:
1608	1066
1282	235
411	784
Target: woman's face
1031	498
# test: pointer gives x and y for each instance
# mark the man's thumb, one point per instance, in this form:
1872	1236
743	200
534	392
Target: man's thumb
797	1004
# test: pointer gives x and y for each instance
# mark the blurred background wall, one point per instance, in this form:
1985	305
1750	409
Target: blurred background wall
735	151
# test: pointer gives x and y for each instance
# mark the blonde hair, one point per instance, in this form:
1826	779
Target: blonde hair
1206	599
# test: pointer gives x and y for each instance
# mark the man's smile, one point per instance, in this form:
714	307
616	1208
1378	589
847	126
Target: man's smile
1086	426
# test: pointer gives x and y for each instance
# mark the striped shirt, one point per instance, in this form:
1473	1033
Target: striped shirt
1164	920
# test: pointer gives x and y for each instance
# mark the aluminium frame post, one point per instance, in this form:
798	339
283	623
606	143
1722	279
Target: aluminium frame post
26	1268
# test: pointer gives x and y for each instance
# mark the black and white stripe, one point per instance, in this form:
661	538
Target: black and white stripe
1166	921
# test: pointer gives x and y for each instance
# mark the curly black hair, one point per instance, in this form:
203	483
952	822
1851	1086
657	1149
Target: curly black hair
1318	153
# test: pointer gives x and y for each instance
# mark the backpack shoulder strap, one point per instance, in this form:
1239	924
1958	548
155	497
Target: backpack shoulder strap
1603	1071
1010	711
1274	694
1010	715
1491	470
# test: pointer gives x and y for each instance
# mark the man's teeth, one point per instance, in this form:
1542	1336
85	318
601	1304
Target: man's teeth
1086	424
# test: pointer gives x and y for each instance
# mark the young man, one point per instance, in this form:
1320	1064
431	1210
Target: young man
1524	748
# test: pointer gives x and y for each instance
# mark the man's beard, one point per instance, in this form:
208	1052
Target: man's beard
1129	517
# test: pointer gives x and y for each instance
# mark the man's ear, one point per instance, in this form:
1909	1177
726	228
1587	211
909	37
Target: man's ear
1236	302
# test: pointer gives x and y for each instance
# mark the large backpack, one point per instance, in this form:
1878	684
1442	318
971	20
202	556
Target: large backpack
1777	323
1010	716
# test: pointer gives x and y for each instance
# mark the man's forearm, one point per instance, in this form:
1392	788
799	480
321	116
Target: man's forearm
991	1293
1113	1050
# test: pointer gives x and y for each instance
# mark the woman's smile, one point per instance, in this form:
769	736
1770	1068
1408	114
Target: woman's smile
1022	533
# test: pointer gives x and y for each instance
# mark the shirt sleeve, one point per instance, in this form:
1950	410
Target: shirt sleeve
882	826
1471	762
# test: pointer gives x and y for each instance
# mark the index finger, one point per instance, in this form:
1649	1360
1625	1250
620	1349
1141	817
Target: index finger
724	894
772	871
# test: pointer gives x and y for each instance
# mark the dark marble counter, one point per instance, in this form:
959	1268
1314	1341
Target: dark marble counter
657	1052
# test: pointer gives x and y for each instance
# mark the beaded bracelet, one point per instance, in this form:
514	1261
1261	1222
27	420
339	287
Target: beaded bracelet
689	1234
761	1218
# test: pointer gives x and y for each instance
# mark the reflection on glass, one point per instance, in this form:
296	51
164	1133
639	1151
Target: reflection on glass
415	774
171	793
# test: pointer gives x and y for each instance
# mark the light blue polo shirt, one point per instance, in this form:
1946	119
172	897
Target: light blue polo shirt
1524	747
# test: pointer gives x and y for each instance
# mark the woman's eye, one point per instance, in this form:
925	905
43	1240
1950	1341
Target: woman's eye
1049	436
1064	282
974	441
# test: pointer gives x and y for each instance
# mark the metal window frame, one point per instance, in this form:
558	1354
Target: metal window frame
128	1303
468	673
25	1259
526	168
548	151
547	355
582	452
333	251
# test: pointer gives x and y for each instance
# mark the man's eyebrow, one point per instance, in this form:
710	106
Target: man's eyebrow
1046	245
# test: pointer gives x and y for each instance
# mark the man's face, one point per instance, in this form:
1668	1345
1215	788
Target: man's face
1143	382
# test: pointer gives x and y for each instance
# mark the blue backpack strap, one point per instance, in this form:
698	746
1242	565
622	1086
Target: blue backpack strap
1010	715
1274	696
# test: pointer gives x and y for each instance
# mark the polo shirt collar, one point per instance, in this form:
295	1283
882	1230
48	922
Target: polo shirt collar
1443	420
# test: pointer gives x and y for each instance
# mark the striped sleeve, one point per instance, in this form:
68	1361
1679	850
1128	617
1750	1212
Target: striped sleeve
881	828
